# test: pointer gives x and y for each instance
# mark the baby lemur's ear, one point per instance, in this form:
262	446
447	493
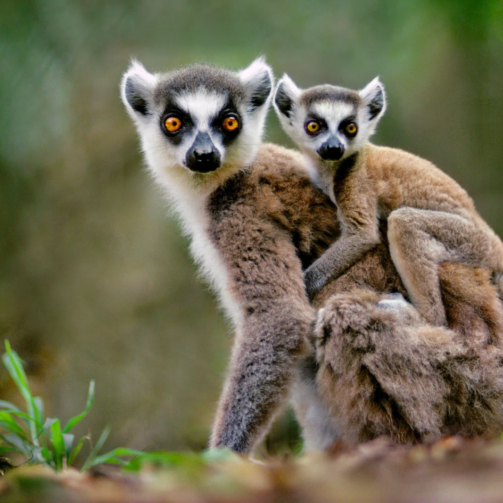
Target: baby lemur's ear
286	96
374	98
137	88
258	81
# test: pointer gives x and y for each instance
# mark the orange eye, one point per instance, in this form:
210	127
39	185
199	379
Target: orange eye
173	124
230	123
351	129
312	127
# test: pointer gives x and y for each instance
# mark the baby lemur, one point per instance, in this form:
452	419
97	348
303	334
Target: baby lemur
431	219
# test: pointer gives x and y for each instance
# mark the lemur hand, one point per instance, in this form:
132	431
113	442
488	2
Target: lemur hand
315	279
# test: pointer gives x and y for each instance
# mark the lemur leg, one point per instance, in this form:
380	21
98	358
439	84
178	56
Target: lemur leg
421	239
319	429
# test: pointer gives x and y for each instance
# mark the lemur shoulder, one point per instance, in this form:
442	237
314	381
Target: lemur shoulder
431	219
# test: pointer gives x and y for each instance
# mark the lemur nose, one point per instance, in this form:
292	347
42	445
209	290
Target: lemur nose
203	155
331	151
207	158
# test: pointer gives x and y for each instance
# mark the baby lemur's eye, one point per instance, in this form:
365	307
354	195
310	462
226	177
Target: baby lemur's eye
172	124
312	127
351	129
230	123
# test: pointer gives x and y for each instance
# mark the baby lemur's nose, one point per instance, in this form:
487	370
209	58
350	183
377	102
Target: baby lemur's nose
203	155
331	150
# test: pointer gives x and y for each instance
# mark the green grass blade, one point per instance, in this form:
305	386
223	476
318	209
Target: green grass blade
42	455
14	366
58	443
8	406
75	452
96	448
113	456
68	439
167	459
47	455
76	419
39	403
24	417
10	424
18	444
48	423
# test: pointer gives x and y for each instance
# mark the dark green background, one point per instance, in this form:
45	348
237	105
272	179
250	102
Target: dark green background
95	278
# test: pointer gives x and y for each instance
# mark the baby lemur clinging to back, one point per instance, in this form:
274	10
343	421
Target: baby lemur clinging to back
431	219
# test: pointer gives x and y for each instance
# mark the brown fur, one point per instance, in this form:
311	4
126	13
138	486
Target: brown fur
266	223
387	372
254	229
431	219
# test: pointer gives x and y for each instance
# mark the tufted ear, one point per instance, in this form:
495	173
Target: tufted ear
374	98
286	96
258	81
137	88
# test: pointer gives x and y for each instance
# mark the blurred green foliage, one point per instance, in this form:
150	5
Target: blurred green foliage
44	440
95	279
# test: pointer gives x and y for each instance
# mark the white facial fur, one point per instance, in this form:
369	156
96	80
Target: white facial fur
202	106
332	110
166	159
187	189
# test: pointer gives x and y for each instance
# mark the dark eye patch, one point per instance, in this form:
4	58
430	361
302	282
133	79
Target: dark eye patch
229	109
345	123
172	109
314	117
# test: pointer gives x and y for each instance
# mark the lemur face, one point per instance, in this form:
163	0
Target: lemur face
201	118
328	122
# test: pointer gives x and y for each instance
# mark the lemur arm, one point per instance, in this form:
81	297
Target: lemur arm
265	354
356	202
275	318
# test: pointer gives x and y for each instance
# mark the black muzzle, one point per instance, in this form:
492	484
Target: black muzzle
331	150
202	156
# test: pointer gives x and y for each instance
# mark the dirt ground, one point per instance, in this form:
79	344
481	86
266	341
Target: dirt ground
453	470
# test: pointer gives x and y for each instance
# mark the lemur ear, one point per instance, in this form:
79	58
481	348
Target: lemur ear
374	98
286	96
137	88
258	81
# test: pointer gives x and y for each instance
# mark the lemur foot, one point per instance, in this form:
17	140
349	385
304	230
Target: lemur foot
393	301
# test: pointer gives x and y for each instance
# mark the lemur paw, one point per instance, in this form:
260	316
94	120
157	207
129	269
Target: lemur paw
403	311
314	281
393	301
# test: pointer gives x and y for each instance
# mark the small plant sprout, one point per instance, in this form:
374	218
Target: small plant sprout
45	440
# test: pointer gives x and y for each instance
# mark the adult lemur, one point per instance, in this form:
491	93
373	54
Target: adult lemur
256	221
431	219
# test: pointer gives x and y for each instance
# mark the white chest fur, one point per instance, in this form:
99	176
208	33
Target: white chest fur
322	175
191	206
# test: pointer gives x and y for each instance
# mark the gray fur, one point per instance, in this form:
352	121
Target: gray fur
254	223
329	93
192	78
